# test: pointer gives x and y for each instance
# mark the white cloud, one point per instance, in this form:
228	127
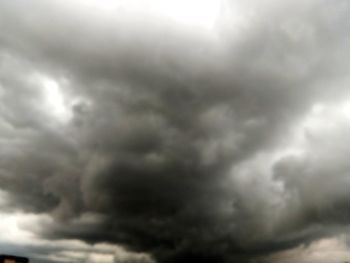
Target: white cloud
54	99
322	251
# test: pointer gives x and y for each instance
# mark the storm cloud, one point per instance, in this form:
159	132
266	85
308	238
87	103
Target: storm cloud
183	142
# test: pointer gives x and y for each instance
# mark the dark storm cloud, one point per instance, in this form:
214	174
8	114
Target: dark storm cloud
162	151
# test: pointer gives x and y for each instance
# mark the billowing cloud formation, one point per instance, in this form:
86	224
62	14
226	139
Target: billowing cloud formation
208	142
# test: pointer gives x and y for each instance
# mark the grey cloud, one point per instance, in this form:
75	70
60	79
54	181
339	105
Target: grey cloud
162	150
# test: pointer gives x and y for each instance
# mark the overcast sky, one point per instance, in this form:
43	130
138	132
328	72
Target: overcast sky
163	131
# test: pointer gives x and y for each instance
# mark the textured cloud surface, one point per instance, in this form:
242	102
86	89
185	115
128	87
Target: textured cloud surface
195	131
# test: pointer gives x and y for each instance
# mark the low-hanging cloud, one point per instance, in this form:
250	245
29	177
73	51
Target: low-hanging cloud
190	144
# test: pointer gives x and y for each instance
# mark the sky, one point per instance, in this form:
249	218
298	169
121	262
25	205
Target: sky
162	131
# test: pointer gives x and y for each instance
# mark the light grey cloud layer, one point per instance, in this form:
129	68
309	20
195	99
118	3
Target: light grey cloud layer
206	145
